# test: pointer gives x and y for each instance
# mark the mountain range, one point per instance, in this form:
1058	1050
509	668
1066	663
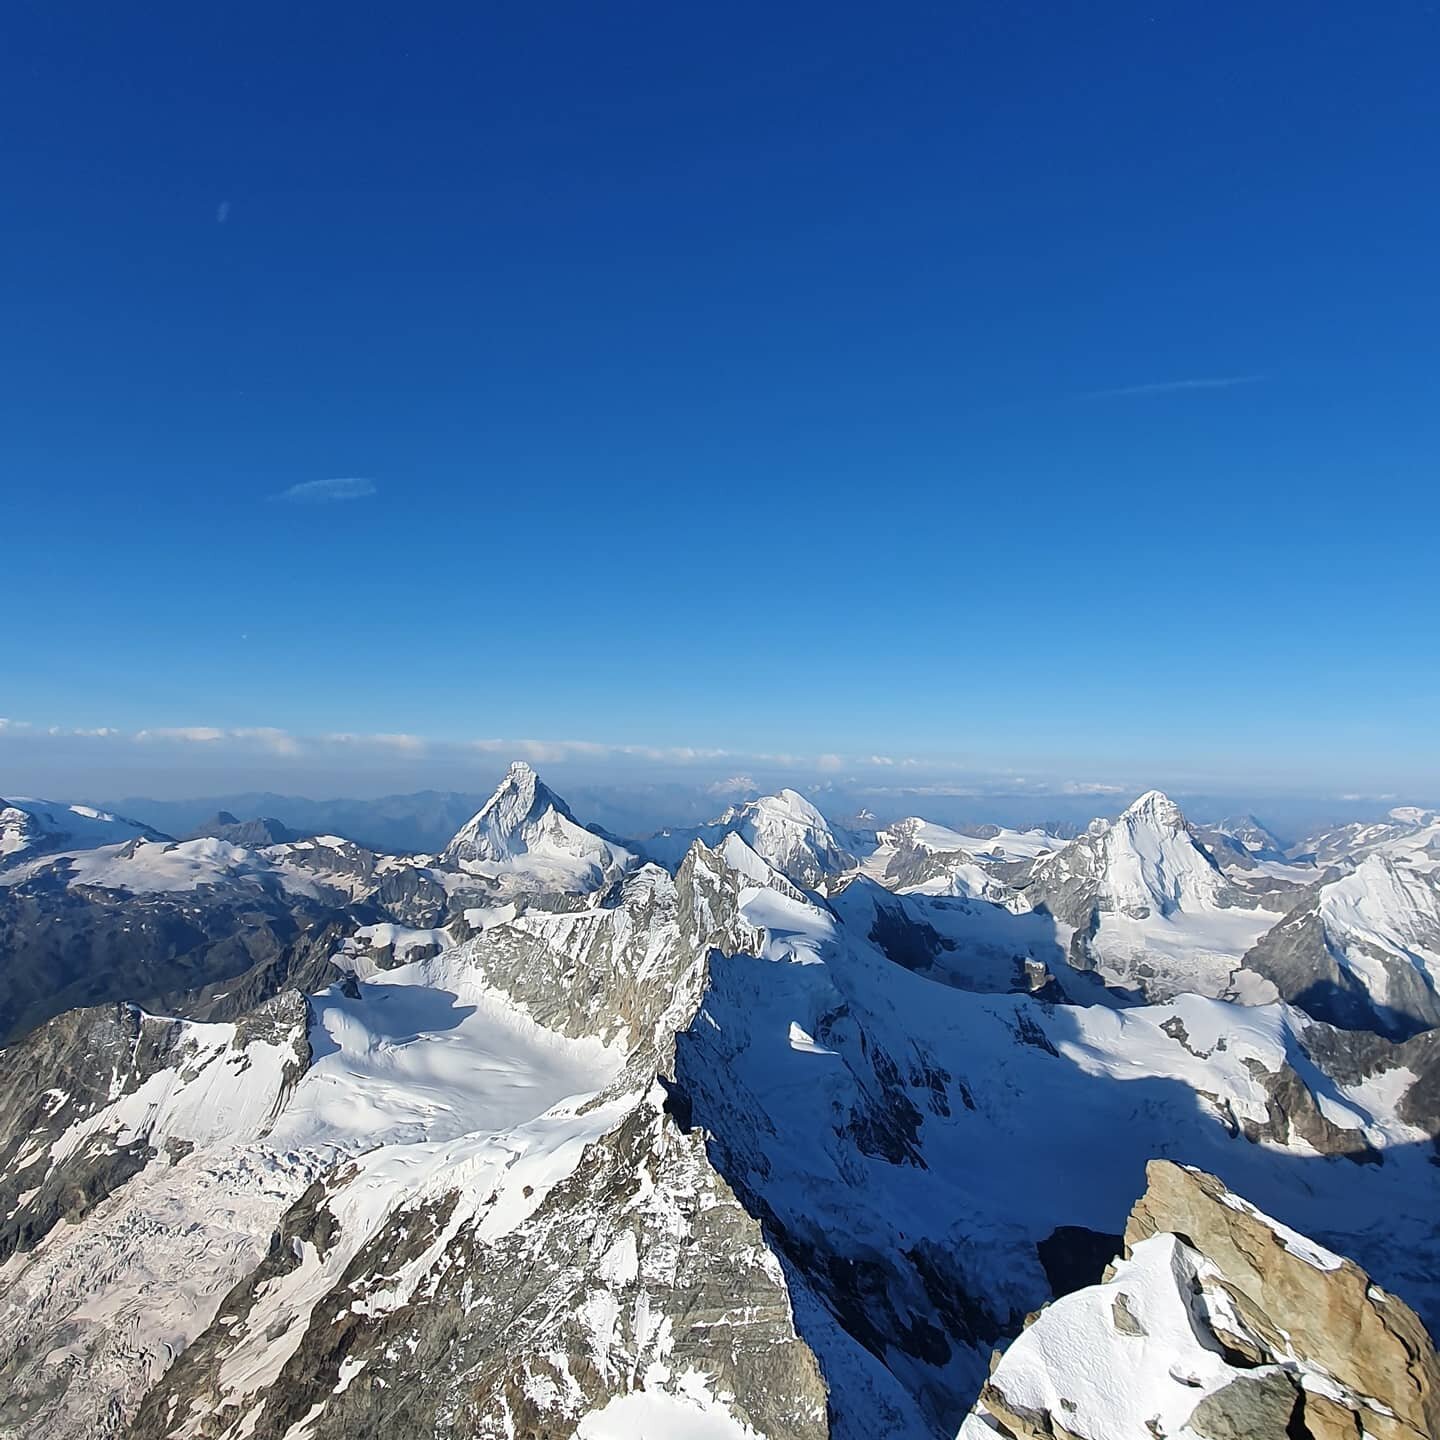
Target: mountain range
764	1126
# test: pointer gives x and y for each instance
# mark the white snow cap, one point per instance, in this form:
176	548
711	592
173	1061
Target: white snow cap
1156	807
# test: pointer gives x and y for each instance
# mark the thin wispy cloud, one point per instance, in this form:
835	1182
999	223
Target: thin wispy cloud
222	212
1173	387
320	492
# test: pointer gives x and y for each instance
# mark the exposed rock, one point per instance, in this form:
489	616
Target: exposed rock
1250	1407
1221	1324
1326	1311
64	946
1294	1113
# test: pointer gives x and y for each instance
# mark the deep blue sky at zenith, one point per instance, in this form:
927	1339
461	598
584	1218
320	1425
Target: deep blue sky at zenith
1027	385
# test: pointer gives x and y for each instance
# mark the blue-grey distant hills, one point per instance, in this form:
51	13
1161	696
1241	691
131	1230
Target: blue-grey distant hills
423	821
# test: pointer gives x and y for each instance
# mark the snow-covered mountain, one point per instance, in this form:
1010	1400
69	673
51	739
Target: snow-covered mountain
150	921
916	855
525	834
1364	951
30	828
1151	909
785	830
149	917
1247	838
594	1146
1407	830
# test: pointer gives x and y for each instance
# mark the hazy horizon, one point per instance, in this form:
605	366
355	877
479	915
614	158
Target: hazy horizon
158	778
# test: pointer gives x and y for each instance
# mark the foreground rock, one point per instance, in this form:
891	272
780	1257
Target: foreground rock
1220	1324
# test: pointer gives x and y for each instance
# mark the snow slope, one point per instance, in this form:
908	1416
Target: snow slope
419	1075
149	867
31	827
428	1052
1387	906
915	856
1408	831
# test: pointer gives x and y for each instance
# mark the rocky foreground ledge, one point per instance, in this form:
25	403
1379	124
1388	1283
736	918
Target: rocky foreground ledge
1218	1323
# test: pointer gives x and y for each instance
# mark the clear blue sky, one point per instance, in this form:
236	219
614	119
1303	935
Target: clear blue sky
796	378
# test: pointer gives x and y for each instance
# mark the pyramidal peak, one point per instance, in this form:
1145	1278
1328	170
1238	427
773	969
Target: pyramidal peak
525	836
496	830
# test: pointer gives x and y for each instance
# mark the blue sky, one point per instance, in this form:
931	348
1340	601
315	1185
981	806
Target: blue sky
1003	387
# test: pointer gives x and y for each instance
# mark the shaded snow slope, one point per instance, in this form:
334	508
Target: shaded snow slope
913	1145
1364	951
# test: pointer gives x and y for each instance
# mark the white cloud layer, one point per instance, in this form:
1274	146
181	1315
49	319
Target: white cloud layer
273	740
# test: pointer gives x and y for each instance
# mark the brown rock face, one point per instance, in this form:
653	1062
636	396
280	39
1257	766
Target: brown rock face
1334	1318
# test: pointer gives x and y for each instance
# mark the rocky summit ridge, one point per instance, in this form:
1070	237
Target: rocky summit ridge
1217	1323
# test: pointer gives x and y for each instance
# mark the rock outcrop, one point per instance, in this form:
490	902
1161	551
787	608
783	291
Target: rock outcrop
1218	1323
